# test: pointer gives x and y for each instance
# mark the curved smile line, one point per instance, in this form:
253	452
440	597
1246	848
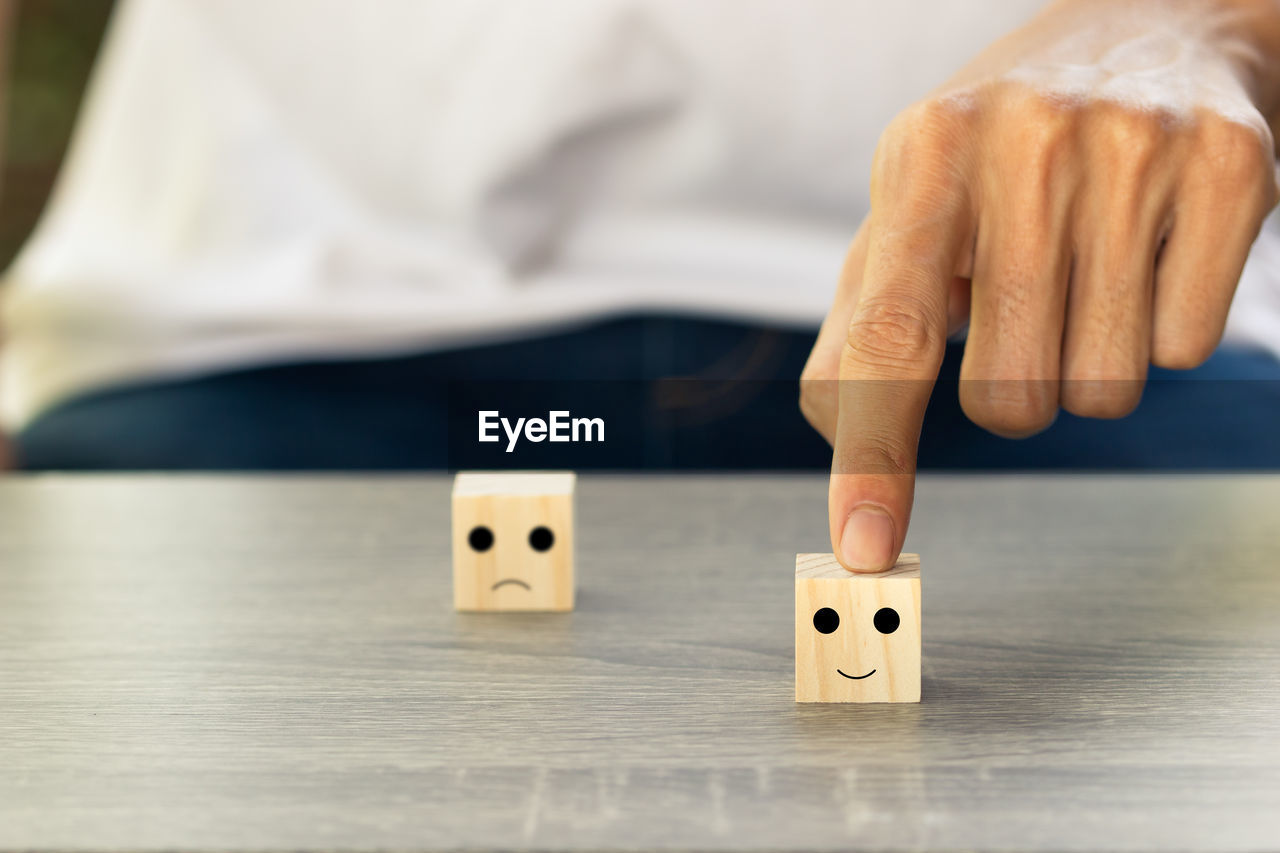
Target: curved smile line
516	581
857	677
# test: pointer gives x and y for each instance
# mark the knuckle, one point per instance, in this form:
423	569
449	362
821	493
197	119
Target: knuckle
1103	398
1176	348
1040	118
932	117
1040	156
807	410
816	369
1046	142
921	141
1010	408
1135	139
893	333
817	402
882	456
1237	153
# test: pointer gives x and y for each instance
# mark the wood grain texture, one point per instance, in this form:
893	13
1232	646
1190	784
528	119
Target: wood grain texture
825	565
506	483
274	664
851	659
510	573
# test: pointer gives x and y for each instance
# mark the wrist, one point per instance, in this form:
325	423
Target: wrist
1250	33
1240	36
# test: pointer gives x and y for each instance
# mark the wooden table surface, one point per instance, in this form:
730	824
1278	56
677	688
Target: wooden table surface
272	664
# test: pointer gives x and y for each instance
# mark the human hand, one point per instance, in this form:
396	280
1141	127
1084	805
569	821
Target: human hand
1084	195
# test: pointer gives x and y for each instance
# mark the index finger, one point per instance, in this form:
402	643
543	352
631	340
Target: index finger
890	362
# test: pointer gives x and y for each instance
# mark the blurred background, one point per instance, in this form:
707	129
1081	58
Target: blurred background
53	46
252	264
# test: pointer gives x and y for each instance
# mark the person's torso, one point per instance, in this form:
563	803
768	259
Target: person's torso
263	179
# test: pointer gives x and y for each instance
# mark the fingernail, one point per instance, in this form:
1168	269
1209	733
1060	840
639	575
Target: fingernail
867	542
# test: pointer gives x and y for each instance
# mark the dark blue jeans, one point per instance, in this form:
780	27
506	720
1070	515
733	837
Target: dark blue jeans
674	393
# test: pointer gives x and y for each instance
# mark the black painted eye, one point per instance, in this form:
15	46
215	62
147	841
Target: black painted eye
481	538
541	539
826	620
886	620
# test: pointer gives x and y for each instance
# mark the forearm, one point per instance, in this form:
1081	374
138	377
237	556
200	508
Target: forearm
1253	27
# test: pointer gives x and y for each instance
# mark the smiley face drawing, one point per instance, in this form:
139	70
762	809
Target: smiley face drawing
513	541
857	635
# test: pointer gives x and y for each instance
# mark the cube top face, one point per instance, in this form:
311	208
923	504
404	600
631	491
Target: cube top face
857	635
500	483
819	566
513	541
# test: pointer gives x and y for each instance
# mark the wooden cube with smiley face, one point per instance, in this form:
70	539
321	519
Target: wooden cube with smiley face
857	635
513	540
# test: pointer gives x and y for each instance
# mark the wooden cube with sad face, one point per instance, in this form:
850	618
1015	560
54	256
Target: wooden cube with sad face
857	635
513	540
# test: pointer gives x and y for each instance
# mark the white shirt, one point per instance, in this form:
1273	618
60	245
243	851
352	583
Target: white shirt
267	180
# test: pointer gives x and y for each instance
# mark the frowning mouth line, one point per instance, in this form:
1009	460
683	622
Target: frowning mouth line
516	581
857	677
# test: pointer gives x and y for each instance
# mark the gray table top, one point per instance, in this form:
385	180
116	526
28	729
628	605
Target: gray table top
272	664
